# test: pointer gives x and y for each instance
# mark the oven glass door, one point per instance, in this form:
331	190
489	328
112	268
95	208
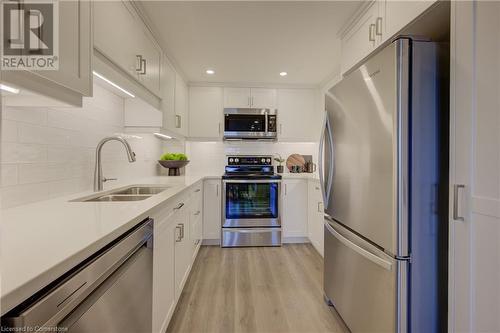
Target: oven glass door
251	204
245	123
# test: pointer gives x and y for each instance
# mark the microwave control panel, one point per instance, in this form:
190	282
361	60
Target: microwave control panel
271	123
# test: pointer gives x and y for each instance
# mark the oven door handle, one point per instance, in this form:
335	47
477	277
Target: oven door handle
251	181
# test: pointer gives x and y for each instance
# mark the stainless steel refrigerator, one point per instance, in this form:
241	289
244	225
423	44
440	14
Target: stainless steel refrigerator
380	176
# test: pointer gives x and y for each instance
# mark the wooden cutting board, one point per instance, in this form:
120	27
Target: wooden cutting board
295	159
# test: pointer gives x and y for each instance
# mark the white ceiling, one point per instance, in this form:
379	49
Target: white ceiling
252	42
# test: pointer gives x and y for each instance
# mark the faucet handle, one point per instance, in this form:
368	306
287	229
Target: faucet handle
104	179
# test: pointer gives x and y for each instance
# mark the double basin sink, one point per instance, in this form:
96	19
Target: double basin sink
129	193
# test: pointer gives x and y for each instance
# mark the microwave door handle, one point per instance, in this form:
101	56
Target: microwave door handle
266	122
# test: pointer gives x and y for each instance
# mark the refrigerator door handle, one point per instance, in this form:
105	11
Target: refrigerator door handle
320	159
332	161
370	256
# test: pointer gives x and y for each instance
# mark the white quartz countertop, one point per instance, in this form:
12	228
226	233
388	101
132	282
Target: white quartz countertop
43	240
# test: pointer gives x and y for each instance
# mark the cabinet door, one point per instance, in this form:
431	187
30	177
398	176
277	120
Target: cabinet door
398	14
121	40
360	40
149	76
237	98
263	98
182	250
212	209
315	216
298	117
163	273
294	208
474	236
168	95
74	77
181	105
205	112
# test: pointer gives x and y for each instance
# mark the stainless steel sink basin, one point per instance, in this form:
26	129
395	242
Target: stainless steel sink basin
118	197
129	193
141	190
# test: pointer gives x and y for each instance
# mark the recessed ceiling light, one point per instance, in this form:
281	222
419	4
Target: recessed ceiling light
210	72
283	73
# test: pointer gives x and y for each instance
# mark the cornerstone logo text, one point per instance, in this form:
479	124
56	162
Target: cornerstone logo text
30	35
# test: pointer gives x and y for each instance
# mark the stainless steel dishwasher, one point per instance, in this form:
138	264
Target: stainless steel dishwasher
109	292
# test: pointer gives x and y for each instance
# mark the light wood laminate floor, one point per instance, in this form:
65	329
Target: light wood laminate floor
260	289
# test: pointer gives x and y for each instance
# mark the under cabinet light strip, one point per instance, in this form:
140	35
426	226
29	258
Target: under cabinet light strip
113	84
10	89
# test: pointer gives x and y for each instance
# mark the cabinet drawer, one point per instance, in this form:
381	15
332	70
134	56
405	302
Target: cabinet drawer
251	237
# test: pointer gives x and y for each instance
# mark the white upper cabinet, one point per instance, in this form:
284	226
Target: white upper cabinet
263	98
73	79
398	14
127	43
298	117
181	106
379	21
167	104
237	98
249	98
205	112
361	39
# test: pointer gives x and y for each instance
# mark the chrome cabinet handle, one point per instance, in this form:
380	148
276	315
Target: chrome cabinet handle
252	100
371	30
197	213
104	179
179	206
179	237
182	230
319	207
140	63
143	62
197	190
456	192
378	30
178	121
285	188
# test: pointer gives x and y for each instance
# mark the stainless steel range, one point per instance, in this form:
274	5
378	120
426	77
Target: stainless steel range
251	202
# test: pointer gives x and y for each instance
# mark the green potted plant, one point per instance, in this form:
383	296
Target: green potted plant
173	162
280	160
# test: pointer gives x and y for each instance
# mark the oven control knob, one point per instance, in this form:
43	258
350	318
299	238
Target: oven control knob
236	160
268	160
231	160
263	160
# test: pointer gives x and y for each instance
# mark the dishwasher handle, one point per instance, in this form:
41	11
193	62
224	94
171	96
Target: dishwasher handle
62	296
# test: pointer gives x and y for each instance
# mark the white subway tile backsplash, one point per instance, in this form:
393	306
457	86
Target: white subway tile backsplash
8	131
9	174
22	153
25	114
50	152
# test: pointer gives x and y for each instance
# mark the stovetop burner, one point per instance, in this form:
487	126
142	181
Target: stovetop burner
254	167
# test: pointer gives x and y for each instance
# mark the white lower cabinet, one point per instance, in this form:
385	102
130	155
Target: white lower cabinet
177	238
315	215
294	209
212	204
163	271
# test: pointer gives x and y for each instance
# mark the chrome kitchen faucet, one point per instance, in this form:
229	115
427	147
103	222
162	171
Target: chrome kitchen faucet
98	178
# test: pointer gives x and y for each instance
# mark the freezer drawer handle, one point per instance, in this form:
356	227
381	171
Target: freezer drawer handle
456	192
370	256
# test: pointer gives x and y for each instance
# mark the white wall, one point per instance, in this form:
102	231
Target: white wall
49	152
209	158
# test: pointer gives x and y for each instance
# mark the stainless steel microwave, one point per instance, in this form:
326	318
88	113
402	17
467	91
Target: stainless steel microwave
250	124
